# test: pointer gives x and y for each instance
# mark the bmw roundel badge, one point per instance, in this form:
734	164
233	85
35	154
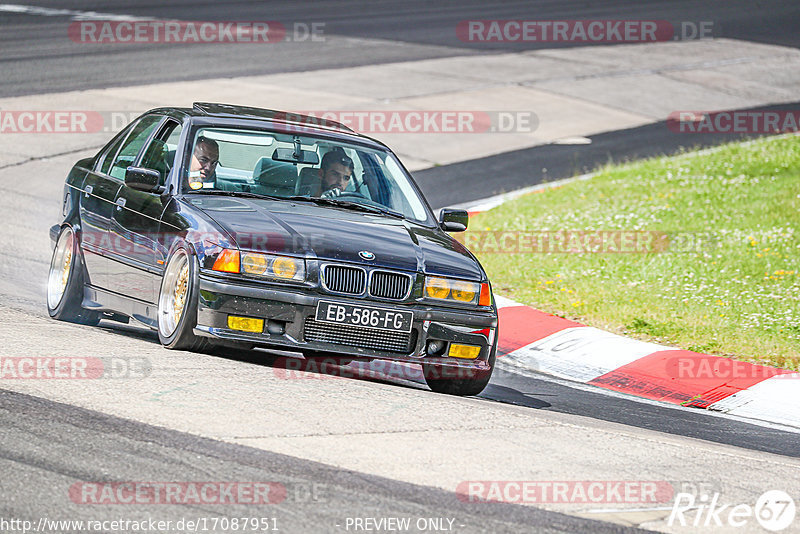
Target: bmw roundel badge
367	255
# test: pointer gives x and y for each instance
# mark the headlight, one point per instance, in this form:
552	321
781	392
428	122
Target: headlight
457	291
437	288
464	291
266	265
271	266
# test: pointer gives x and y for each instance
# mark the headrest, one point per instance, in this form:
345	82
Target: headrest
275	173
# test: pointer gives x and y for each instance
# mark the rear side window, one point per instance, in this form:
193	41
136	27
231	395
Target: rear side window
115	166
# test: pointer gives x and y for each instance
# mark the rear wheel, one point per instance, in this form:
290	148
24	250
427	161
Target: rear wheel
65	282
177	303
456	381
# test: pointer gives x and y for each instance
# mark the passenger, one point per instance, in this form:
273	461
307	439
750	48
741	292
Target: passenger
203	168
335	173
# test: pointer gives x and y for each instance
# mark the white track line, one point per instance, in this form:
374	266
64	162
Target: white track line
73	14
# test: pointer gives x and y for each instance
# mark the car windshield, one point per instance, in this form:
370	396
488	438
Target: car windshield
329	173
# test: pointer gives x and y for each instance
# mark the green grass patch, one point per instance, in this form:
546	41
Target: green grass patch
726	279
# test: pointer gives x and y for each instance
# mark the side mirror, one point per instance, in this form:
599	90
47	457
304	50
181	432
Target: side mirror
453	220
142	179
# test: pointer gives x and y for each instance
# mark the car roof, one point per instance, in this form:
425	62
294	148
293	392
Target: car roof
229	112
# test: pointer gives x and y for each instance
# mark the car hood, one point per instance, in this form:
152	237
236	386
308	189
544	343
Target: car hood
332	234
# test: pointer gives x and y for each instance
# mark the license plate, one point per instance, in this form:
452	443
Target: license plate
378	318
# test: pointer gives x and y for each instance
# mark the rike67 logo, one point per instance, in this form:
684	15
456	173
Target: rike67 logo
774	510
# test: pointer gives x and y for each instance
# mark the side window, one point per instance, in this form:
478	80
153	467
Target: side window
160	154
358	172
108	157
132	145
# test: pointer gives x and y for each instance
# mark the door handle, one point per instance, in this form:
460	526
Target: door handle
89	190
120	203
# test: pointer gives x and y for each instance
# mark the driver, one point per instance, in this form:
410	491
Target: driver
203	167
335	172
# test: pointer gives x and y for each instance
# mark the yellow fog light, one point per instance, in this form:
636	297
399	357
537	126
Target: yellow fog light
466	352
437	288
284	267
465	291
246	324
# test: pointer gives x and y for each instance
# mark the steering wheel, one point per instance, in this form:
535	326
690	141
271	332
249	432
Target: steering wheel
351	194
339	194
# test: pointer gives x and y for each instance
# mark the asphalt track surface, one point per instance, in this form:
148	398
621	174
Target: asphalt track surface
48	445
525	389
34	59
478	179
45	443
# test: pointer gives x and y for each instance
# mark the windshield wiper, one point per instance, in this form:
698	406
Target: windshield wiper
346	204
245	194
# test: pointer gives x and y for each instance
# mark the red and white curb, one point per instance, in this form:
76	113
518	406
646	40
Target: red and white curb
548	344
552	345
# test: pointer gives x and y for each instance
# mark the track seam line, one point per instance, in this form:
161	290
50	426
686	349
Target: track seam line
49	156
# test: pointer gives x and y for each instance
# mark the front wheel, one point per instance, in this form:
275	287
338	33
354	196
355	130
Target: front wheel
65	282
177	303
457	381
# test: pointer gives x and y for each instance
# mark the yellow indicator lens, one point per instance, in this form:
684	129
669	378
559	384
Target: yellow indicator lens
227	261
246	324
437	288
284	267
464	291
466	352
254	263
486	296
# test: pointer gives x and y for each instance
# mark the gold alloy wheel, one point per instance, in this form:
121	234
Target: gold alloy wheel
174	293
60	268
179	298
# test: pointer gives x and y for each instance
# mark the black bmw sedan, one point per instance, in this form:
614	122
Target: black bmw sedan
229	225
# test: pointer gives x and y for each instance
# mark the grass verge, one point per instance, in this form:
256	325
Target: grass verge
715	261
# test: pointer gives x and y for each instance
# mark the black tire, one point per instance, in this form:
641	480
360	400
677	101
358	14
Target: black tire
179	281
65	282
453	381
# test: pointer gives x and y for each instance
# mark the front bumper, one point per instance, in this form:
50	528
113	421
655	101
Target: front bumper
295	307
